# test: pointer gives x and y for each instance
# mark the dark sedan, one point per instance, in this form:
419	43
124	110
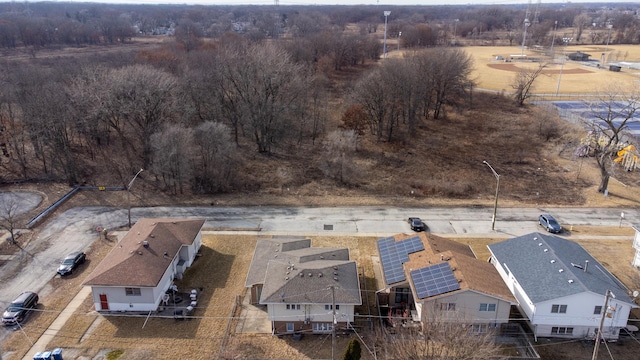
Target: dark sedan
417	224
71	262
549	223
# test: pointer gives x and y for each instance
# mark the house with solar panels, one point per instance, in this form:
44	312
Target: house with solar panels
304	288
427	277
560	287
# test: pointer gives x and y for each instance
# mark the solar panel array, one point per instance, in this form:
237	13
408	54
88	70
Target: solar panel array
394	253
434	280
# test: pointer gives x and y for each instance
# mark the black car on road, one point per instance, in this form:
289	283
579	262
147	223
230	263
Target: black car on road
417	224
549	223
20	308
71	262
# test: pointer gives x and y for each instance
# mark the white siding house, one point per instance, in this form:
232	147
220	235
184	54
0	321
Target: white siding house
636	245
560	287
300	284
135	275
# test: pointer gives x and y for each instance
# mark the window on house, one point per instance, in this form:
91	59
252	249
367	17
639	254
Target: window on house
478	328
322	327
132	291
558	330
448	306
597	310
290	327
293	306
402	295
559	309
330	307
487	307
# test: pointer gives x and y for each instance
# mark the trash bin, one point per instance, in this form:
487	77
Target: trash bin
46	355
57	354
37	356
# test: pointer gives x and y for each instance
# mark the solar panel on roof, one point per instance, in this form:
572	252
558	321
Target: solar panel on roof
434	280
395	253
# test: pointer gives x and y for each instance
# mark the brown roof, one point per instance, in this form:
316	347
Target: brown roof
131	263
472	274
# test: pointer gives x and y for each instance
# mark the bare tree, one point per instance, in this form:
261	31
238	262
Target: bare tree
580	22
524	83
609	121
8	215
340	147
173	151
445	338
215	161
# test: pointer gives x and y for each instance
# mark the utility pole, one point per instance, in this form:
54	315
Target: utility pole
129	196
599	334
333	332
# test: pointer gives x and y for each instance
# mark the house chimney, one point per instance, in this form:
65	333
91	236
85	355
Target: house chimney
586	264
145	243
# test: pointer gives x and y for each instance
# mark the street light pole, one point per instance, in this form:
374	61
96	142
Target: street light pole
129	196
524	36
399	35
564	58
495	206
384	51
606	48
555	27
455	30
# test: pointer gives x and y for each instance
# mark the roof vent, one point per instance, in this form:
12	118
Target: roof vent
535	238
319	274
321	257
165	254
139	252
286	278
561	270
453	269
553	261
310	275
570	281
152	236
145	243
576	265
301	274
335	273
335	268
539	244
335	278
459	280
546	250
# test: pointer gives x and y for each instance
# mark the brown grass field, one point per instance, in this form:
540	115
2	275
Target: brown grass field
222	269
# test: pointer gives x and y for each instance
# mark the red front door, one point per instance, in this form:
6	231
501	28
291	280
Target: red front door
104	304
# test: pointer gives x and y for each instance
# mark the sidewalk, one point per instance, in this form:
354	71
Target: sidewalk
57	324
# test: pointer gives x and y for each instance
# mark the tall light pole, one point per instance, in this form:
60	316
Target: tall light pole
566	41
495	205
524	36
399	35
384	51
555	27
455	30
129	195
606	48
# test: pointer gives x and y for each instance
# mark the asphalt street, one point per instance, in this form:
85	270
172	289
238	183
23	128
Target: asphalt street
76	229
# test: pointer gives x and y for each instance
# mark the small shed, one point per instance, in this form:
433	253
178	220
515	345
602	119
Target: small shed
615	68
579	56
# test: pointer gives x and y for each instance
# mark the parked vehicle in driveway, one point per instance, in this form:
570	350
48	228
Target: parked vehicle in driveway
417	224
71	262
20	308
549	223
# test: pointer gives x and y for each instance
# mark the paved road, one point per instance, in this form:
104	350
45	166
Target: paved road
75	229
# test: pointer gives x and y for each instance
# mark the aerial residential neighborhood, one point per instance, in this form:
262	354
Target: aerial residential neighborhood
246	180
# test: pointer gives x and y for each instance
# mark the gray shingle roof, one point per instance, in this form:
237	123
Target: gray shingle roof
288	250
310	283
549	267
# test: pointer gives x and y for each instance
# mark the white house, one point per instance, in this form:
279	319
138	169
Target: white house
304	288
427	277
560	287
138	271
636	245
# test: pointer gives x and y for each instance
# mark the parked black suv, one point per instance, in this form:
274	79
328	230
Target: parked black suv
417	224
19	308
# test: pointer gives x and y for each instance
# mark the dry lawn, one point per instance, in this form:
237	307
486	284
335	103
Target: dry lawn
221	272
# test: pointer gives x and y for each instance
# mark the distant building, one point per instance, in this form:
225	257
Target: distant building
578	56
